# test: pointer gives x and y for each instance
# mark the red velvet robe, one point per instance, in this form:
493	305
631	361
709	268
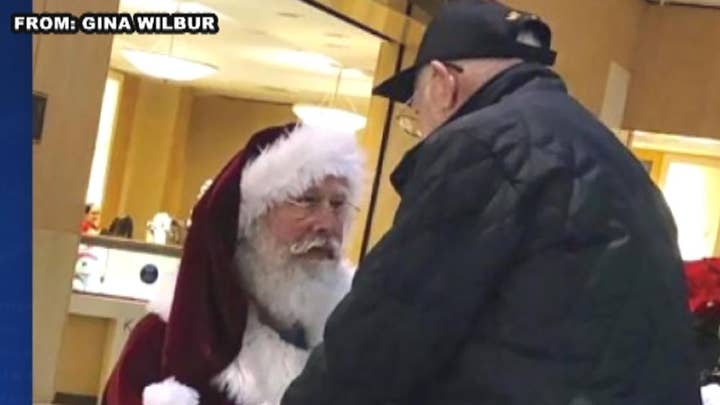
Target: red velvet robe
139	365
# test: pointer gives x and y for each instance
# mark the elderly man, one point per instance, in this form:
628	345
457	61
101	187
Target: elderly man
531	260
261	270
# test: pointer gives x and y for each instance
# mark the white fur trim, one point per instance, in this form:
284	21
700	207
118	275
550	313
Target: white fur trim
710	394
264	368
266	365
292	164
170	392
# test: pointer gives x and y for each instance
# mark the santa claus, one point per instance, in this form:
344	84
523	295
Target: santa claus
260	273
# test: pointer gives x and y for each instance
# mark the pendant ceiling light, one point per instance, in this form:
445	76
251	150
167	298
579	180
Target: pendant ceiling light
167	66
327	114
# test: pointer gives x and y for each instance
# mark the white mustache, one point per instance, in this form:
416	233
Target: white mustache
304	246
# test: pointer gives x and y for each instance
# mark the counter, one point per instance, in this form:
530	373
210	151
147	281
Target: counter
131	245
124	268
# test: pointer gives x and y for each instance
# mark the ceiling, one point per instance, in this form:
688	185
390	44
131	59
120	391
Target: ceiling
283	51
706	3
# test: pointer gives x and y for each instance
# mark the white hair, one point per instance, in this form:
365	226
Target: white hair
529	37
477	72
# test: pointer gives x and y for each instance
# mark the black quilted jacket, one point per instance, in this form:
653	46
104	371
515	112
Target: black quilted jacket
531	262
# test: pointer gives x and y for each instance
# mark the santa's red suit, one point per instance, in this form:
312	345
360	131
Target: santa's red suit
207	344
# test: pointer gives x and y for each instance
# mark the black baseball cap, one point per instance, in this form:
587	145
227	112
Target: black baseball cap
467	29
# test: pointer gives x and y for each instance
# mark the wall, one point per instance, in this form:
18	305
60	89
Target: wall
588	35
119	149
71	70
219	127
172	197
155	124
676	87
79	361
147	151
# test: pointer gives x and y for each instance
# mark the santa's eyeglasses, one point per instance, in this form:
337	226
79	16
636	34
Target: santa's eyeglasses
311	204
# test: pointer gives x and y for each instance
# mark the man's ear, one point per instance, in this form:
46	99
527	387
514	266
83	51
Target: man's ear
443	85
438	70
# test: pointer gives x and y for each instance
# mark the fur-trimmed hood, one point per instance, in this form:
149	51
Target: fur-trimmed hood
294	163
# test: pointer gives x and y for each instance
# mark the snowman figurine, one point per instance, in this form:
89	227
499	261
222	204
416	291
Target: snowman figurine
88	271
158	228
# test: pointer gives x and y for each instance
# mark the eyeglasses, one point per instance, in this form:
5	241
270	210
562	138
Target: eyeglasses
409	124
407	119
308	205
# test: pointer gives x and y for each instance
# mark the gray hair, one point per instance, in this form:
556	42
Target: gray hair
529	37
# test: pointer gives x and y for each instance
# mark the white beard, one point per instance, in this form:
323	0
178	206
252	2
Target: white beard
292	290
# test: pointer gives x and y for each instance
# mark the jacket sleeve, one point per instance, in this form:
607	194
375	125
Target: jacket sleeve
138	365
420	291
